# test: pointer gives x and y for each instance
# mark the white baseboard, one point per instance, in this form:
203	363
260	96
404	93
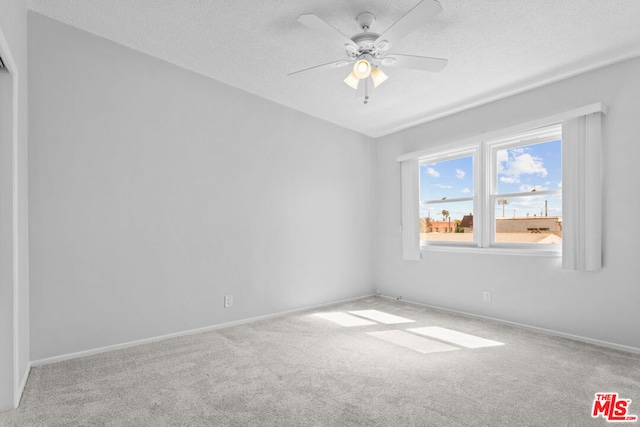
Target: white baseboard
528	327
48	360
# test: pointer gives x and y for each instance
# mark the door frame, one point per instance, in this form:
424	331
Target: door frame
11	199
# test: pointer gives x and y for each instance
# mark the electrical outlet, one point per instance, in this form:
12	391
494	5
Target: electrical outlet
228	301
486	296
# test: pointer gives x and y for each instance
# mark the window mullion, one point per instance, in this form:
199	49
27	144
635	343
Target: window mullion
489	187
481	196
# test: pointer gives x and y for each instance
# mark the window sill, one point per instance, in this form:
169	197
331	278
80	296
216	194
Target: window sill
552	253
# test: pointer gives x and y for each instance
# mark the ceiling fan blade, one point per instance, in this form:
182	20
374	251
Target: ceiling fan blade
328	66
319	25
423	63
411	20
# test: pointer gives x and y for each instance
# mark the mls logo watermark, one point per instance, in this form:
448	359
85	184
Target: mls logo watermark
611	408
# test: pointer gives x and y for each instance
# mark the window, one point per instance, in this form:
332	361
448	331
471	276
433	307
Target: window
550	176
526	188
446	197
519	206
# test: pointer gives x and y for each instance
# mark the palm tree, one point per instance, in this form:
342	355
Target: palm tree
445	215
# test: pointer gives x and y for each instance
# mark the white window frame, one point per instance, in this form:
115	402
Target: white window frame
534	136
468	151
484	155
588	225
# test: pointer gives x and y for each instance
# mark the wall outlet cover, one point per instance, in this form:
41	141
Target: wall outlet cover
228	301
486	296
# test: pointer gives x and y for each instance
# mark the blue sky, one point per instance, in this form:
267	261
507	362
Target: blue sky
520	169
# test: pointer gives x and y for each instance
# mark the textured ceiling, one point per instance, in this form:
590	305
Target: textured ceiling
495	48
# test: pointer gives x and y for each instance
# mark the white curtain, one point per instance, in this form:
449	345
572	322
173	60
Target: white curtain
582	193
410	210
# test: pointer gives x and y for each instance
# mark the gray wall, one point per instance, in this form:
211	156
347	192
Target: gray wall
14	242
155	191
529	290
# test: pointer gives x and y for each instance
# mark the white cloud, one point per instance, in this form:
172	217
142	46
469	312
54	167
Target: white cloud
434	173
440	186
460	173
524	164
502	157
560	184
466	190
509	179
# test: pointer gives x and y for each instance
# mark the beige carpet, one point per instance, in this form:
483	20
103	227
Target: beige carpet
308	369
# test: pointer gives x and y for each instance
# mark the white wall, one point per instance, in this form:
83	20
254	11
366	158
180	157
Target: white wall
599	306
155	191
14	265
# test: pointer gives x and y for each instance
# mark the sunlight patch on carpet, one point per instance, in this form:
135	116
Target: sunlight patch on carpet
412	341
454	337
381	316
344	319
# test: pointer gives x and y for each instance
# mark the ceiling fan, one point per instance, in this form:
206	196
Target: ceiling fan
368	51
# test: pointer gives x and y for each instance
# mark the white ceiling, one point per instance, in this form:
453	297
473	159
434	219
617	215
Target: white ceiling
495	48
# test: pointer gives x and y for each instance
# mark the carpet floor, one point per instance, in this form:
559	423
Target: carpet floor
369	362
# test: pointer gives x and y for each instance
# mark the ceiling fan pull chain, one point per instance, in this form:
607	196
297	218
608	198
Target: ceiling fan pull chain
366	91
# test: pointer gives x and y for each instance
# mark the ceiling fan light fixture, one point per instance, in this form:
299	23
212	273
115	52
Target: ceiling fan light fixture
378	76
352	80
362	67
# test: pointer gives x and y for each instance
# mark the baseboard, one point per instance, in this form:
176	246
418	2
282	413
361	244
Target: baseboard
23	384
587	340
46	361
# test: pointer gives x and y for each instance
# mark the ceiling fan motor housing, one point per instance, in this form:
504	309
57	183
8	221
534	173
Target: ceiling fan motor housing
366	45
366	40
